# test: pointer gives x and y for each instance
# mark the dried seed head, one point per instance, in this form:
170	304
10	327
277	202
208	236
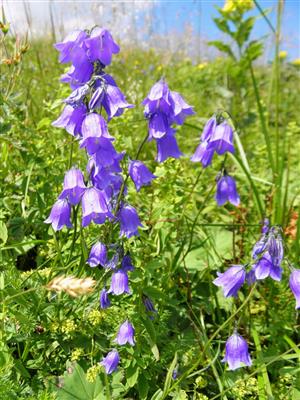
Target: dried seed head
71	285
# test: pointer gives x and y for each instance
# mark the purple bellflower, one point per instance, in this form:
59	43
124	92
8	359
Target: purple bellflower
158	126
129	221
158	99
126	263
125	334
203	155
74	186
108	95
81	70
167	147
77	96
111	361
149	304
236	352
226	191
119	283
101	46
180	108
231	280
60	215
71	119
98	255
94	207
140	174
221	139
295	285
104	299
265	267
67	46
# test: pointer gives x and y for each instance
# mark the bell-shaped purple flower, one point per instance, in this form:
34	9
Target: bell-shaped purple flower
275	245
110	97
101	46
265	267
81	70
209	129
226	191
71	119
98	255
236	352
74	186
111	361
203	155
126	263
94	207
140	174
167	147
158	99
231	280
67	46
221	139
129	221
60	215
180	108
158	126
119	283
260	246
104	299
295	285
125	334
95	134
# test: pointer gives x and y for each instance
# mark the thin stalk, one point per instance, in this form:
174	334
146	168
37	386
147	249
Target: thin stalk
264	16
262	119
213	336
71	154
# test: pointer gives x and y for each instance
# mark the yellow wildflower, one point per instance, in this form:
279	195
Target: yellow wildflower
296	62
93	372
282	54
77	353
238	5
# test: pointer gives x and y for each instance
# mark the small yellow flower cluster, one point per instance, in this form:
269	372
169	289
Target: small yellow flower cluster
296	62
95	317
257	308
201	382
93	372
77	353
201	396
238	5
201	65
54	327
68	326
282	54
245	388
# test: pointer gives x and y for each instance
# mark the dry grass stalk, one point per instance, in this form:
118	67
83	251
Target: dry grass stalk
71	285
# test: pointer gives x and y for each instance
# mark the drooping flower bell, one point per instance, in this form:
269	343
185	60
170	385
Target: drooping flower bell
231	280
125	334
109	96
167	147
140	174
180	109
104	299
221	139
94	207
101	46
126	263
294	282
129	221
81	71
119	283
98	255
60	215
74	186
236	352
111	361
265	267
226	191
72	41
71	119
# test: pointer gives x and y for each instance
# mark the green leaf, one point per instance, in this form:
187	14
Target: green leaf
223	25
75	386
225	48
132	374
253	51
3	232
143	387
169	375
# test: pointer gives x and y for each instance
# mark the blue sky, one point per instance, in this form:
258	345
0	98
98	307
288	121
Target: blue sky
173	15
138	21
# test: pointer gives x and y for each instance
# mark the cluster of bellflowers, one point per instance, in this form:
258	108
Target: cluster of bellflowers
267	259
165	108
101	190
217	137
